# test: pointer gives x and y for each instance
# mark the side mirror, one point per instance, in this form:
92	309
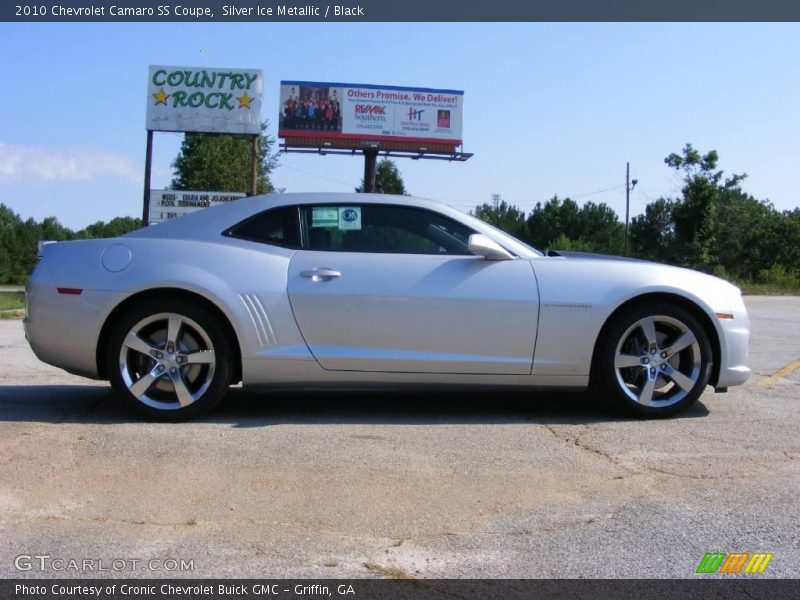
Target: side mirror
485	246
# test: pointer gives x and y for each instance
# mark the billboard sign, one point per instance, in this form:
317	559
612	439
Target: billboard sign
371	113
204	99
171	204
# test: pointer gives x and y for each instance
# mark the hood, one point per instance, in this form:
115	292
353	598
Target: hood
593	256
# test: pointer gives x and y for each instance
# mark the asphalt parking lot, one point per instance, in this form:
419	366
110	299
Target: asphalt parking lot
402	485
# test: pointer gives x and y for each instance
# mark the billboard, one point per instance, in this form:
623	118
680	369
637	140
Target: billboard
204	99
376	116
171	204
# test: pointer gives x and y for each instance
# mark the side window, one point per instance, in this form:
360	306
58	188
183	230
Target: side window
382	229
277	227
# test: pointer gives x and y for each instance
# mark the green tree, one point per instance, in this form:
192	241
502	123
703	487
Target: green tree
507	217
387	179
10	224
693	215
788	233
562	242
601	228
652	234
747	235
592	227
222	163
714	226
19	241
115	227
553	218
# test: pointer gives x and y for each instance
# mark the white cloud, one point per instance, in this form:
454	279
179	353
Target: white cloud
43	164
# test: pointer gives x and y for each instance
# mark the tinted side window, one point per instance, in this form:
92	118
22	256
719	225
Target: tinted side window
383	229
277	226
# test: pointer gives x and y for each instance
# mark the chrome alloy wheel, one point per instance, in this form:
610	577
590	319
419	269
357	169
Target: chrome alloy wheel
167	361
657	361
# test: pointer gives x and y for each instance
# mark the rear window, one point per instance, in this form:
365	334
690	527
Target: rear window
277	227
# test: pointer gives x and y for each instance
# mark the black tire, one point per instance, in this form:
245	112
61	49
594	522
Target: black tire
163	379
630	368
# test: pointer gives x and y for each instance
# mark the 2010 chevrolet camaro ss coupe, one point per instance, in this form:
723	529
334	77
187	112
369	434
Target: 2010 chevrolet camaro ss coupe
353	290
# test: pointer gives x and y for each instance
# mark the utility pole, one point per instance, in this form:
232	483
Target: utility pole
629	185
496	201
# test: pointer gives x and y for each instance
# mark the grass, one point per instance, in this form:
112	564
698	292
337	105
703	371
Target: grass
12	300
768	289
775	281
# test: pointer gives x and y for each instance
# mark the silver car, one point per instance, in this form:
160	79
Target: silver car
350	290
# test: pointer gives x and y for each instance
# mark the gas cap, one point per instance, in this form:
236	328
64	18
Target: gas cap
116	258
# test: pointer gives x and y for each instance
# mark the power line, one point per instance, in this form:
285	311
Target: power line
616	187
347	183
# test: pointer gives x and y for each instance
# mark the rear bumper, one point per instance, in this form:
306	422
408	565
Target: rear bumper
61	329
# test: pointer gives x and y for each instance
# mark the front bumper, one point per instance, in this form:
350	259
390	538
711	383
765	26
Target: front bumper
734	346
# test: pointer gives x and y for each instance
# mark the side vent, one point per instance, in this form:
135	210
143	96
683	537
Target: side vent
260	319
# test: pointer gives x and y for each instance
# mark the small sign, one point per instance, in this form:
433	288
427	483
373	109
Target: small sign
324	216
171	204
350	218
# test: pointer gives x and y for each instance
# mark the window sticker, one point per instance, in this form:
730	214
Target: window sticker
325	216
350	218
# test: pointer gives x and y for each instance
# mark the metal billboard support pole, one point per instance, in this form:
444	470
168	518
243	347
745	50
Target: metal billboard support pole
370	162
148	163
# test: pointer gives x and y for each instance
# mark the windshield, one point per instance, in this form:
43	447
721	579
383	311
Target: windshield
513	243
517	240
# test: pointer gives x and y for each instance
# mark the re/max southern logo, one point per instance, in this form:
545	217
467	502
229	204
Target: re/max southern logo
736	562
371	109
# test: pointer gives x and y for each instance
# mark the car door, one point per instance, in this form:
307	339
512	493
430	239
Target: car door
394	289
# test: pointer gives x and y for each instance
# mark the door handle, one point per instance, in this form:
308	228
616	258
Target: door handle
323	274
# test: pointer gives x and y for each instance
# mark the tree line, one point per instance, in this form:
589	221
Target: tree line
19	239
712	226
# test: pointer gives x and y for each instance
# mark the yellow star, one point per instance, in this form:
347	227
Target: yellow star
161	97
244	100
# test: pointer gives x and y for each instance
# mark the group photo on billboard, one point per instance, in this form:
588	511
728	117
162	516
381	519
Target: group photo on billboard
370	112
311	107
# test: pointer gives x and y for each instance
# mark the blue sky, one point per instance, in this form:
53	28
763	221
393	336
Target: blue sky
548	108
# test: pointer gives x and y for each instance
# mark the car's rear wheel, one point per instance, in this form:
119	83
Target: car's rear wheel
655	360
169	359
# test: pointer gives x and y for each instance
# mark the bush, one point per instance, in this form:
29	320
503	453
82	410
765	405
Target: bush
778	277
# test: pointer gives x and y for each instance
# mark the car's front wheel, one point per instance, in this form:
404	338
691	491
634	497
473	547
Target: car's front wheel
655	360
169	359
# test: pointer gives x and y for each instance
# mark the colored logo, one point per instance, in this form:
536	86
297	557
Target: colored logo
371	109
349	215
414	114
736	562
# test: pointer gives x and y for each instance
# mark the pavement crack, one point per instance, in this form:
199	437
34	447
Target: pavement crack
101	520
682	475
593	450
